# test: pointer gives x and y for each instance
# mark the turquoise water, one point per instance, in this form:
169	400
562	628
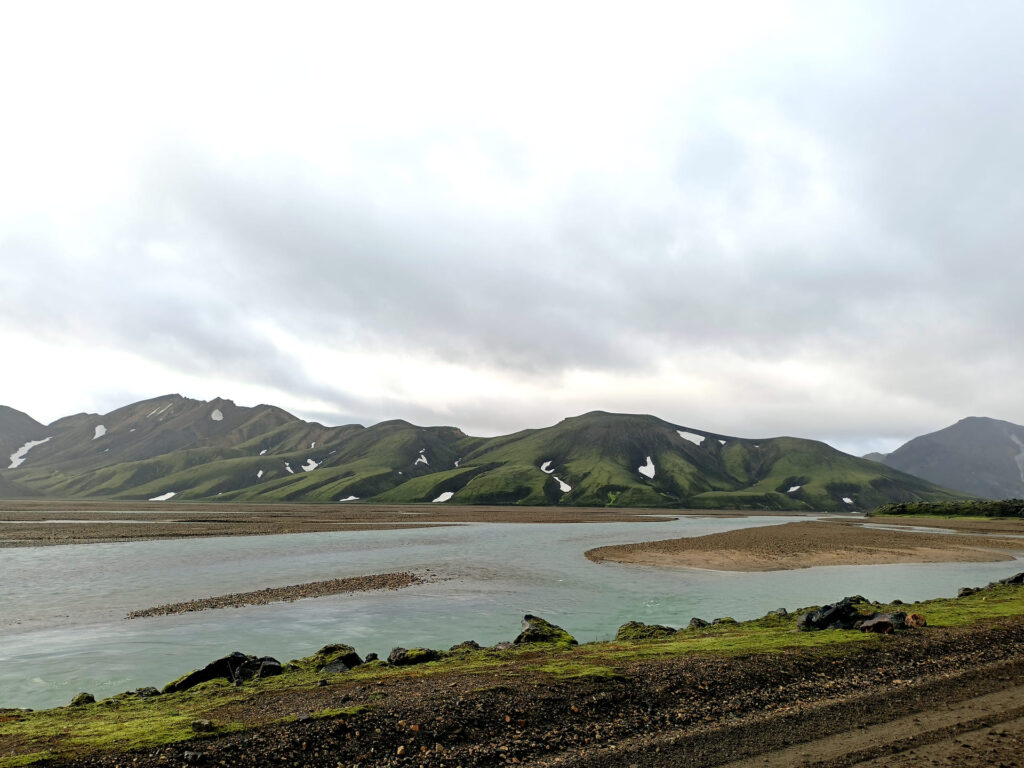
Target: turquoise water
61	608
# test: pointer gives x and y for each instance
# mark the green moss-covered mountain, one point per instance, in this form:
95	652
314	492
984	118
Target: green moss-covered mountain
174	447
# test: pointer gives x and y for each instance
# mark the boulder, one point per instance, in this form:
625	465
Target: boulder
1017	579
778	612
637	630
724	620
465	647
696	623
203	726
370	657
841	615
966	591
880	623
235	668
537	630
402	657
916	621
82	699
333	658
504	645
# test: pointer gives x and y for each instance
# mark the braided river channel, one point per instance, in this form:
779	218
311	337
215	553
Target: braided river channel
62	608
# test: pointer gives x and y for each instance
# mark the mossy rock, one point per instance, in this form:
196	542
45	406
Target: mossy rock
402	657
637	630
336	657
725	620
538	630
465	647
82	699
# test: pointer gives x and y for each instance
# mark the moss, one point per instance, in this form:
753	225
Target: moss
636	631
538	630
569	670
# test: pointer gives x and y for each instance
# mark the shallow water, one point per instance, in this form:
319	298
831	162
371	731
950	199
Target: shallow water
61	608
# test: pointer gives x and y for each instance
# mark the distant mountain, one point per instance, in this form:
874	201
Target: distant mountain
980	456
174	447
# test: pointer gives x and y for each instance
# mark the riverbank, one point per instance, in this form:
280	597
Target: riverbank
378	581
47	523
754	691
809	544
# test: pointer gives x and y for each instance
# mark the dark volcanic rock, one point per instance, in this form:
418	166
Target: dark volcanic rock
637	630
841	615
1017	578
696	623
333	658
235	668
467	645
402	657
82	699
966	591
538	630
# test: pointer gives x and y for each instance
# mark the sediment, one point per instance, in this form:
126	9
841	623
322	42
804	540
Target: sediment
379	581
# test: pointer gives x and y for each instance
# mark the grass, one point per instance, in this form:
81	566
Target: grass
127	723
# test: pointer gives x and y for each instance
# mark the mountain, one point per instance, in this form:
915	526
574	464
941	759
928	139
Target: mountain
980	456
175	447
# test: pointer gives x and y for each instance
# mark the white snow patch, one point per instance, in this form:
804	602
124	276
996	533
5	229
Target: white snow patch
312	445
350	498
153	411
722	442
563	487
647	470
288	468
132	429
100	431
165	496
847	500
544	467
18	457
259	474
422	459
457	462
263	451
794	489
310	465
693	437
217	415
444	496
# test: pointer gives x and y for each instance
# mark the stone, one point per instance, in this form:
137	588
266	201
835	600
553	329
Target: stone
637	630
82	699
841	615
465	647
203	726
370	657
538	630
916	621
1017	579
966	591
724	620
778	612
401	657
880	623
696	623
235	668
194	758
504	645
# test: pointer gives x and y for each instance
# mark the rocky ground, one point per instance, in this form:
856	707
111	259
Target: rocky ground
38	523
807	544
282	594
954	695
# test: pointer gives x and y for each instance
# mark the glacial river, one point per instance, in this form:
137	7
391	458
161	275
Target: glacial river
62	625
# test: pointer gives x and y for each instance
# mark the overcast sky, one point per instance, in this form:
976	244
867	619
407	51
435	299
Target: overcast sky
751	218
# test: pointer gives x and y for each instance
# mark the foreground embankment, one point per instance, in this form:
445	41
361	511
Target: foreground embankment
808	544
759	691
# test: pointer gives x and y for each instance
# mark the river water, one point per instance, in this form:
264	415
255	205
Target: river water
62	625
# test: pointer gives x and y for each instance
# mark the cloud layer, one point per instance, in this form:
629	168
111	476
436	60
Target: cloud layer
799	218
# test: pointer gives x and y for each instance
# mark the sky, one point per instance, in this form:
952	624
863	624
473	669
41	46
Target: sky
757	219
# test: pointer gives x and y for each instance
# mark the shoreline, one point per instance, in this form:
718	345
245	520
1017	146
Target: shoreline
792	546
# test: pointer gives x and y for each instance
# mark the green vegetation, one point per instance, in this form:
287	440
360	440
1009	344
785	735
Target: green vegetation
972	508
129	722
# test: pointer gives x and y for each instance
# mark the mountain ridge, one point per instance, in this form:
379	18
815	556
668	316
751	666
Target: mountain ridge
175	447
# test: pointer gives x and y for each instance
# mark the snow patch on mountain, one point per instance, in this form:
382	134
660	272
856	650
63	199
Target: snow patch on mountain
217	415
693	437
100	431
794	489
563	487
722	442
422	459
165	496
18	457
647	470
350	498
310	465
259	474
544	467
444	496
1019	458
847	500
288	468
263	451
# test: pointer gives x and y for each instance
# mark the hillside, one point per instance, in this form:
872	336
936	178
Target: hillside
174	447
980	456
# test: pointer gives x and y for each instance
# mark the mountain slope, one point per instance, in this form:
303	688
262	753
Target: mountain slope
173	447
977	455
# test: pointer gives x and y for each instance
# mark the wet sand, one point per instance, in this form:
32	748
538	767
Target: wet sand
44	523
804	545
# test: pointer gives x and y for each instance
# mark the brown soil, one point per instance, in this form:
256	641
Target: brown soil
41	523
900	700
803	545
286	594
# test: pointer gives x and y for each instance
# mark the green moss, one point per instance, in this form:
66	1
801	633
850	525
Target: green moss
634	631
568	670
29	759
